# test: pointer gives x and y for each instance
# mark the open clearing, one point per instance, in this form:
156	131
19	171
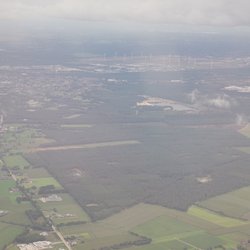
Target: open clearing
86	146
73	126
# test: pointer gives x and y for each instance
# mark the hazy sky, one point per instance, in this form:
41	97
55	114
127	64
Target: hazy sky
194	12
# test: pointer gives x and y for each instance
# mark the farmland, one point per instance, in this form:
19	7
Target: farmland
166	228
16	211
214	218
8	233
65	211
15	161
235	204
44	181
218	221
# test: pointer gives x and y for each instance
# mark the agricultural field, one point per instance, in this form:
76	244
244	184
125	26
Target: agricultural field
164	227
156	226
174	234
13	161
235	204
212	217
203	241
8	233
97	243
168	229
64	211
41	182
35	173
19	138
16	211
110	158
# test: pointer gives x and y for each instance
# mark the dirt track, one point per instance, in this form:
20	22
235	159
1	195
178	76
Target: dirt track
85	146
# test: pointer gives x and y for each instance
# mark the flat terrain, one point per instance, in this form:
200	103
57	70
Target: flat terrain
235	204
168	229
85	146
15	161
65	211
125	153
220	220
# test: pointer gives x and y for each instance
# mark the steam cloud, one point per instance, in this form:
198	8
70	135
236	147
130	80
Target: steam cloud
241	120
220	101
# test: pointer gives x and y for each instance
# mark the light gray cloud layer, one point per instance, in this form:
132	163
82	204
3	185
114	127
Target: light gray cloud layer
197	12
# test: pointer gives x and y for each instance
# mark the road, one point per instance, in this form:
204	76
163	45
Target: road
61	238
53	227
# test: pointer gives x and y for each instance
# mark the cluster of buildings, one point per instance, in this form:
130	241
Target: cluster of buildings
35	245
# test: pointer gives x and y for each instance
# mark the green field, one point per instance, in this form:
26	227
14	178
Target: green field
169	245
163	226
41	182
168	229
78	230
62	208
8	233
15	161
37	173
98	243
235	204
203	241
19	139
199	241
16	212
212	217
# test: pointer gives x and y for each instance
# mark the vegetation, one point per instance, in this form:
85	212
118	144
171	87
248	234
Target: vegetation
215	218
27	238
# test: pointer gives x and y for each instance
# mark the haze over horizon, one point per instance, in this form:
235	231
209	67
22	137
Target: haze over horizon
221	13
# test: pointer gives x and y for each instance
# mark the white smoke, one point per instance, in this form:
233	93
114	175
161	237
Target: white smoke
241	120
194	95
220	101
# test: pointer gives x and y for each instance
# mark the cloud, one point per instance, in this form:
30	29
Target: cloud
194	12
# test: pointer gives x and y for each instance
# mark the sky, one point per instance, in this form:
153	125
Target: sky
222	13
